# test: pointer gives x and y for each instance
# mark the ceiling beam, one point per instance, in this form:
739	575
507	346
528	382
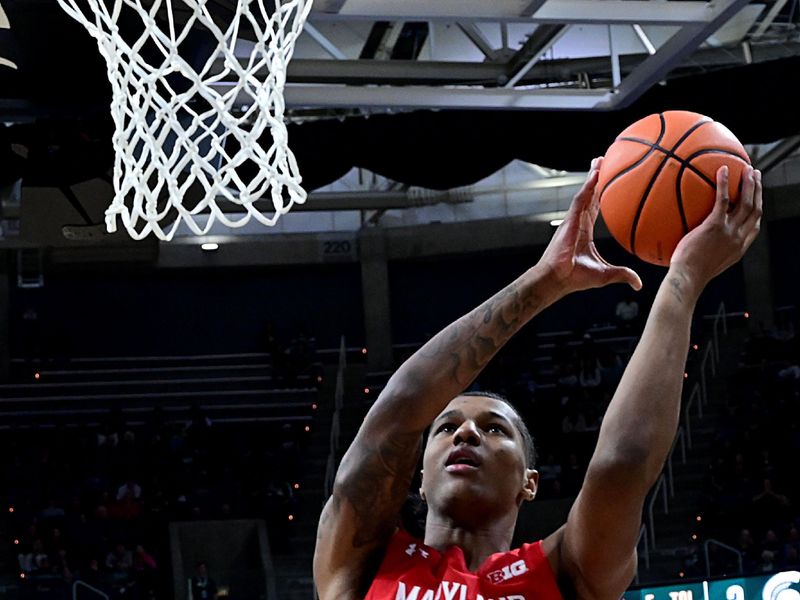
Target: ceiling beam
769	18
392	71
324	42
361	200
778	153
425	72
643	12
479	40
532	7
673	52
329	6
543	37
399	97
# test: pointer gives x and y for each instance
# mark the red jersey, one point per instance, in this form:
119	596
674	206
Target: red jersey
413	571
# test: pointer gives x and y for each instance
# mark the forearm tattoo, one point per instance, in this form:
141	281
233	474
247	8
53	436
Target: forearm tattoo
470	343
377	487
676	287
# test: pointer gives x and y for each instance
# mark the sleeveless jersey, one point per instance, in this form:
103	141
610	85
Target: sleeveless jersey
413	571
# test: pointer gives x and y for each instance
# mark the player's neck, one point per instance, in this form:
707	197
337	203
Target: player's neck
477	543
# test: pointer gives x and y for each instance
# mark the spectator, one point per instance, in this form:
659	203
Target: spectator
771	543
767	563
52	512
203	587
549	469
769	508
93	575
145	569
129	490
791	559
119	562
793	541
790	372
747	547
62	566
590	375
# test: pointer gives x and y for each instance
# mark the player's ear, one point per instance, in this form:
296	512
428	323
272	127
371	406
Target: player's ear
421	491
530	485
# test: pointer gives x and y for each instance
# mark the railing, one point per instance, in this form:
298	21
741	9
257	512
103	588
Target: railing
708	360
724	547
722	317
644	539
694	397
665	486
698	398
89	587
333	450
680	442
651	522
338	401
708	368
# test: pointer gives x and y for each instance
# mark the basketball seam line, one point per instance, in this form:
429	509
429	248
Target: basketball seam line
686	164
631	167
670	154
686	161
660	168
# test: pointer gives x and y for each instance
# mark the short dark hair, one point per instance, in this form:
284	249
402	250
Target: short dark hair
527	438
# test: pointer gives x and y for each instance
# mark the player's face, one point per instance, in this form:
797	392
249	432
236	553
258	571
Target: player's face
475	459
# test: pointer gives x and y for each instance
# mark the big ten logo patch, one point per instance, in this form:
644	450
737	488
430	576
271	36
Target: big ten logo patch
509	571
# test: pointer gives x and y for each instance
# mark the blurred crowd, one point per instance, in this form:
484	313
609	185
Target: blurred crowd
94	504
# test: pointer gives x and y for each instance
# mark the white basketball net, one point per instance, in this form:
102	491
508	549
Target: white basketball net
168	142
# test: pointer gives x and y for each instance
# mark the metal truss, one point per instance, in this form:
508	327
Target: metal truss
503	76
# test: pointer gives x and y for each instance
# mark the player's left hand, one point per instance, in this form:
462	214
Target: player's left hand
726	234
571	255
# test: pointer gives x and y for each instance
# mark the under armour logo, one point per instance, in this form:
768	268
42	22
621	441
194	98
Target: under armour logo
412	548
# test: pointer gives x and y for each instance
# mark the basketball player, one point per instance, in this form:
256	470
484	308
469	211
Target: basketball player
477	464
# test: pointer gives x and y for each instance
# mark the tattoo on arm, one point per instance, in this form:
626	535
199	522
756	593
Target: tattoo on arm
473	340
376	490
675	287
330	508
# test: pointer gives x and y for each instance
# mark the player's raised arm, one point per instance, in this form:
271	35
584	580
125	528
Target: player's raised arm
373	478
596	549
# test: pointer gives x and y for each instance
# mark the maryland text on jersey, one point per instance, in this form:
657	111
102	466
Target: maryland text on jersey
447	590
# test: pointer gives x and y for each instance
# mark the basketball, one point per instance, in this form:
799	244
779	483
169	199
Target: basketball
657	181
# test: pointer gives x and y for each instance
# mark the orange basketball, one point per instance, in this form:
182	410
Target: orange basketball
658	180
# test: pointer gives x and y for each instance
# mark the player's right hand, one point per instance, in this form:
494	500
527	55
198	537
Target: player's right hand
572	257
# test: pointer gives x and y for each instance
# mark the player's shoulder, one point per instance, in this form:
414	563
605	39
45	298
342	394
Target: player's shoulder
551	548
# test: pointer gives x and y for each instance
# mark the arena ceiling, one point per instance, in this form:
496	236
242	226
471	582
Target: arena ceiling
436	93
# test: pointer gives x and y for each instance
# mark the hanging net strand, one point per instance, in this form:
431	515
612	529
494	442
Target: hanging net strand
178	128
